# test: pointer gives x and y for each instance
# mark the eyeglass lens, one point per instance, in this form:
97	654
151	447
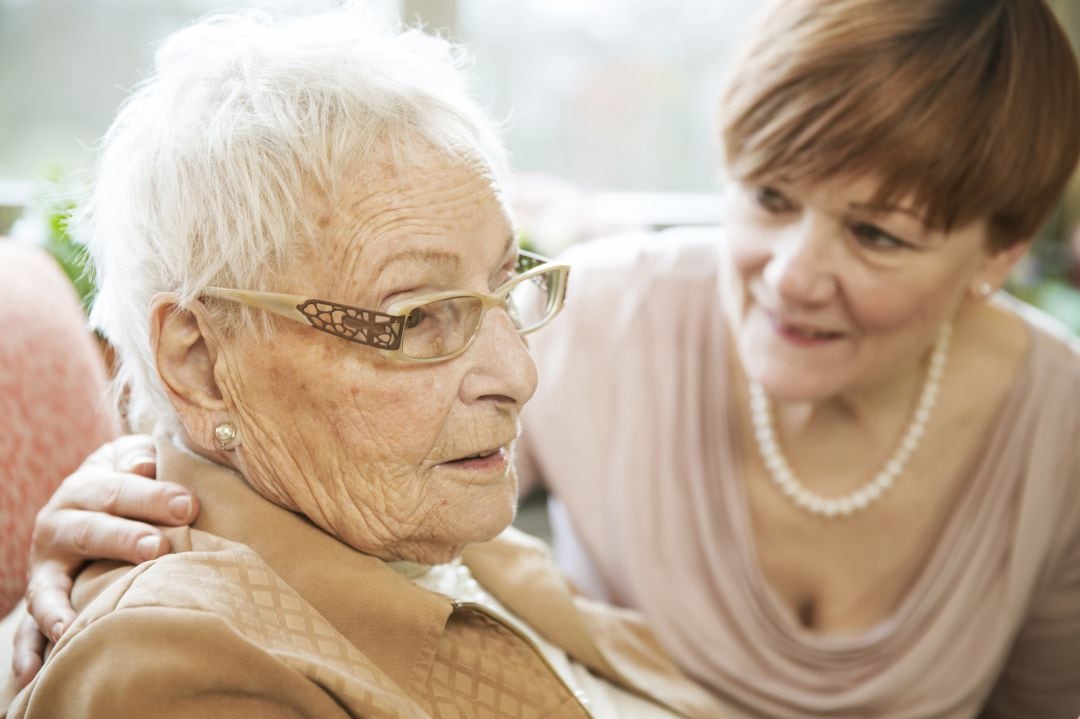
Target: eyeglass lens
530	302
444	327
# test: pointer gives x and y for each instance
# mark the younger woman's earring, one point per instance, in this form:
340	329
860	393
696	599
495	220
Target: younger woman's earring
225	434
985	290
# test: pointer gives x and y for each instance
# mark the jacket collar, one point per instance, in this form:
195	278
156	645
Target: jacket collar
613	642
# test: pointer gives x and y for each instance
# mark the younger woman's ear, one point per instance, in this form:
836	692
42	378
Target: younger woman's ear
997	268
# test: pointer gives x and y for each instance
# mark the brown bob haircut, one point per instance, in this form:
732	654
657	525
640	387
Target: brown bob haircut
969	108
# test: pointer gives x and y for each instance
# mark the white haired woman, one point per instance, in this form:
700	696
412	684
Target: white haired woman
315	292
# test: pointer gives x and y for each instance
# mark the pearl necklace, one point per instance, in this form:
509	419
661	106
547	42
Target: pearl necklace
857	501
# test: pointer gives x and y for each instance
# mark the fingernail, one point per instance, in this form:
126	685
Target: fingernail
140	460
147	547
180	507
55	631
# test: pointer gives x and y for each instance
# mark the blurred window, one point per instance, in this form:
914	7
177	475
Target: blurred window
66	65
608	94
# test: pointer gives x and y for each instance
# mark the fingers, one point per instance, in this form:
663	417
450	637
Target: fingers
121	453
71	536
29	650
136	454
77	524
47	598
127	496
142	467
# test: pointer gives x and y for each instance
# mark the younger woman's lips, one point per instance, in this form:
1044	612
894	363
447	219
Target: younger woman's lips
800	335
802	339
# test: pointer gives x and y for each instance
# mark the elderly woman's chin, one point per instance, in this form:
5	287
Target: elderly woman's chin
456	516
450	513
478	513
454	513
460	508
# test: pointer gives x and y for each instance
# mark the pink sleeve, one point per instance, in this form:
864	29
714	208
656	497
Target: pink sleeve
1042	675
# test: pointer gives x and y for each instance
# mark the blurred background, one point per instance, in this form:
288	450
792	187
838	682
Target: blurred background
608	109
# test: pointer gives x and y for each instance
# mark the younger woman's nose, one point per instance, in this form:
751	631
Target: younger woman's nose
801	268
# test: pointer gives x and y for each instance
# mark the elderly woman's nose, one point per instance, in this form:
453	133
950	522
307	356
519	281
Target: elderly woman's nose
502	367
801	268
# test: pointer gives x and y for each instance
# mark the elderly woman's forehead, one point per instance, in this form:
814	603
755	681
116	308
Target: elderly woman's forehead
383	184
444	213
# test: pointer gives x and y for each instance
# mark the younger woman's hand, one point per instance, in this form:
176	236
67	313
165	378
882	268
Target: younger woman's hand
102	511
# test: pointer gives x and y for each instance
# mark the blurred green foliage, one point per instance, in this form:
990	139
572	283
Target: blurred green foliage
56	205
1057	298
71	257
1045	277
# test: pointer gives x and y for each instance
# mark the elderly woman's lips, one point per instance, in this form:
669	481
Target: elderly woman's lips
485	461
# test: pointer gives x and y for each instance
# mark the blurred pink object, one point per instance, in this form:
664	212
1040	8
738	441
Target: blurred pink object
53	405
550	212
553	214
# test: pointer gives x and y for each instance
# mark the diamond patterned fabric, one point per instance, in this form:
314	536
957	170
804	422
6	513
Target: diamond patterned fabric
479	668
261	608
484	670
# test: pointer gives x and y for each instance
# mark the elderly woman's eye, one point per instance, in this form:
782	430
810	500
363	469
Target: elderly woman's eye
414	318
772	200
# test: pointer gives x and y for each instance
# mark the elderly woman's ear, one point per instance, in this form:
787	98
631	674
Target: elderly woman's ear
186	347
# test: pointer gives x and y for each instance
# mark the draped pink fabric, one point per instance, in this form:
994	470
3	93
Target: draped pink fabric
53	409
630	429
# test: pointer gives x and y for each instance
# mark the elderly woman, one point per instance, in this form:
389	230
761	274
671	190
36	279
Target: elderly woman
314	289
830	463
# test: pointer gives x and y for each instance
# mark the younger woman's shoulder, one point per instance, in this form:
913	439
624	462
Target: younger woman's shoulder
1055	348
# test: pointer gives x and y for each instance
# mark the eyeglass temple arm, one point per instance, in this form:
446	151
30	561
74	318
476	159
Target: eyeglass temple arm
527	261
279	304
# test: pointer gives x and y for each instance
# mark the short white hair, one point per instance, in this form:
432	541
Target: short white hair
200	179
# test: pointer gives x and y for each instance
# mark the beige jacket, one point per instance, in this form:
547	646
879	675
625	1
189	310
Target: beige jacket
260	613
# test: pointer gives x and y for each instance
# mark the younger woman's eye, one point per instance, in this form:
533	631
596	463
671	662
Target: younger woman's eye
873	236
772	200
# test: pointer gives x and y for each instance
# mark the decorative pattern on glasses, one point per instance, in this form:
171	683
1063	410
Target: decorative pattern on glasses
364	326
431	327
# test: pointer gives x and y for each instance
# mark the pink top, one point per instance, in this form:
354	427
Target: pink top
630	430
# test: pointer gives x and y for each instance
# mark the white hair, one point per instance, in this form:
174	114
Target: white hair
201	176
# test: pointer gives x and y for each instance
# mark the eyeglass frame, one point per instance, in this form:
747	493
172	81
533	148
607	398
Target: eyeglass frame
385	330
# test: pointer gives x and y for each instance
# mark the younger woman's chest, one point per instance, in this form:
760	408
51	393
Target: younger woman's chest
846	575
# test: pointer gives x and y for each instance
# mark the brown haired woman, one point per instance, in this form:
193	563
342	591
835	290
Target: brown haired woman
833	466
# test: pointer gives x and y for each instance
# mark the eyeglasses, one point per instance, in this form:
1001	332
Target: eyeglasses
428	328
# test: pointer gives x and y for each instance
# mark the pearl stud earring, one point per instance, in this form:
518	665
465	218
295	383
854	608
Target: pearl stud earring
225	434
985	289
